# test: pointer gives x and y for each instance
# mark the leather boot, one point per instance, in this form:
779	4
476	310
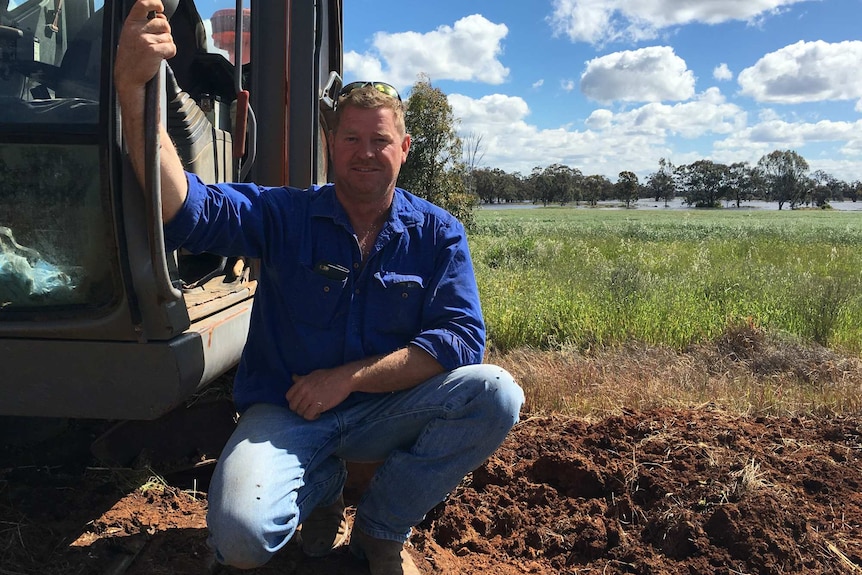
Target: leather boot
324	530
384	557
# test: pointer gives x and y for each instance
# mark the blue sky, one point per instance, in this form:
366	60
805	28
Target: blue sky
612	85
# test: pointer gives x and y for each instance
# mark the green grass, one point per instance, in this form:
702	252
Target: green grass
588	278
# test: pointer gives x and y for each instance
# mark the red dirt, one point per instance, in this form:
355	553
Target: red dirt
662	492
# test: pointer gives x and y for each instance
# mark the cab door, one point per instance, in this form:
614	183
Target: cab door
96	320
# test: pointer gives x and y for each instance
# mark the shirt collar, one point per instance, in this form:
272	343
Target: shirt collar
402	215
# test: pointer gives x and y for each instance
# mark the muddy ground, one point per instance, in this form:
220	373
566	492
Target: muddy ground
659	492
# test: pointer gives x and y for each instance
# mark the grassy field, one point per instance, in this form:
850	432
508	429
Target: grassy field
576	277
624	297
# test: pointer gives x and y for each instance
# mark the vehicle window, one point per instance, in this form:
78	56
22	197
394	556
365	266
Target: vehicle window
50	61
52	235
220	22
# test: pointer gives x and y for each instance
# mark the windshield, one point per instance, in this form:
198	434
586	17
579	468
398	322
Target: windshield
219	18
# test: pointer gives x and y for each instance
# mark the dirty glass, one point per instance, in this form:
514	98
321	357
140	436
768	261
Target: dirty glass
53	236
55	247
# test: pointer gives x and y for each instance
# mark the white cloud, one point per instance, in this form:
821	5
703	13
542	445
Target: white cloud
602	21
772	133
651	74
722	73
493	111
806	72
538	84
467	51
568	85
780	133
708	113
608	142
600	120
636	139
364	67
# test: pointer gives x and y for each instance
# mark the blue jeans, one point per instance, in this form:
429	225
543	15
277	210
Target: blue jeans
277	467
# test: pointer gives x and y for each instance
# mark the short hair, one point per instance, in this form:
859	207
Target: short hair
369	98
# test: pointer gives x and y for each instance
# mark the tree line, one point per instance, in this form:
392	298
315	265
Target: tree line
781	177
444	168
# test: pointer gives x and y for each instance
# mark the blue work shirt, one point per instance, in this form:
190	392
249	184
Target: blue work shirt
316	305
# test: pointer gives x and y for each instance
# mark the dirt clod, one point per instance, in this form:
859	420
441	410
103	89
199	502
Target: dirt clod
661	492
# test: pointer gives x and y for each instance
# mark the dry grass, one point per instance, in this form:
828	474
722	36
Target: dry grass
745	371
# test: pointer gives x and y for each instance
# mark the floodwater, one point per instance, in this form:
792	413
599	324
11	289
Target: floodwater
675	204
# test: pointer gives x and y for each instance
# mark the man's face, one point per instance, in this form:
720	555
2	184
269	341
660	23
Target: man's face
367	152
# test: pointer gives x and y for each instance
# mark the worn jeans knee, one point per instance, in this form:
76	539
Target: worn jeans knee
446	427
274	469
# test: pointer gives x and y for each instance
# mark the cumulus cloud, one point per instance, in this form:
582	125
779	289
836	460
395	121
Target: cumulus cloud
806	72
538	84
608	140
773	133
491	112
469	50
708	113
651	74
363	66
600	119
722	73
603	21
782	133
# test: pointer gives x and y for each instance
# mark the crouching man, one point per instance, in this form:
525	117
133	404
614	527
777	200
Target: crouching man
366	337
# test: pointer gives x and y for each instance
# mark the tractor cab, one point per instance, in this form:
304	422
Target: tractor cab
97	320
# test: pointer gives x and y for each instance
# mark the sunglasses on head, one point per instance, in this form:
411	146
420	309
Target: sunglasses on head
382	87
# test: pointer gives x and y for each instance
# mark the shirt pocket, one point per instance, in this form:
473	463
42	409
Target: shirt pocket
314	298
396	302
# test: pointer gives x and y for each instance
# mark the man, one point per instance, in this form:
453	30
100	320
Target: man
365	341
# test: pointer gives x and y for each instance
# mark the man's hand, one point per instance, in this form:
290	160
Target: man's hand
321	390
144	42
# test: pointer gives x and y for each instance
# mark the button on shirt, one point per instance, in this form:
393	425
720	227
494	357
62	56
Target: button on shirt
317	306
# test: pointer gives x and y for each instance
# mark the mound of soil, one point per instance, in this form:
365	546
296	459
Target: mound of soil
659	492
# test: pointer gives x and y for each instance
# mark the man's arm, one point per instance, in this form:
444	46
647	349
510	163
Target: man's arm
312	394
144	43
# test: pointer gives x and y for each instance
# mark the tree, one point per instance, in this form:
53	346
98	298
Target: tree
826	187
434	169
473	154
854	191
556	184
564	181
596	187
496	186
627	187
703	182
661	183
741	183
542	187
784	173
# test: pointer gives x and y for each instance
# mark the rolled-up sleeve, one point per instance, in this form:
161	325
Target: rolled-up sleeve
453	329
178	230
